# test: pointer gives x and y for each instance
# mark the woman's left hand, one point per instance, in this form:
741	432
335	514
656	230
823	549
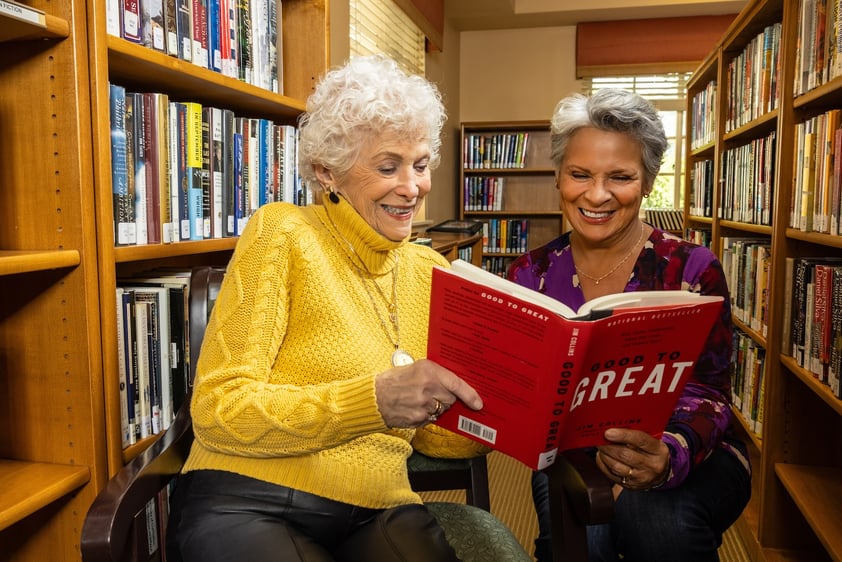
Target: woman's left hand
634	459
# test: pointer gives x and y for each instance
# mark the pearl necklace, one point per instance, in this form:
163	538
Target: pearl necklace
596	280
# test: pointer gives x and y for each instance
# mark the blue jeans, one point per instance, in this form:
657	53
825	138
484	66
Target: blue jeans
685	523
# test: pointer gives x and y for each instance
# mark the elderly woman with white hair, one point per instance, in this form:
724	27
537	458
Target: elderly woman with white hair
311	384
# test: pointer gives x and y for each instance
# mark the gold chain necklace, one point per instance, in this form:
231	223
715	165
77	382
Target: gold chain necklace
400	357
596	280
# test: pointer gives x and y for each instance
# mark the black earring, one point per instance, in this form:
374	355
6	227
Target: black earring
334	198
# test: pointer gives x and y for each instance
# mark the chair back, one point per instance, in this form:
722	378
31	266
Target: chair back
117	527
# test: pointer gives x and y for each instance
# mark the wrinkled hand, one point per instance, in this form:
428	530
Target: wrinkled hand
416	394
634	459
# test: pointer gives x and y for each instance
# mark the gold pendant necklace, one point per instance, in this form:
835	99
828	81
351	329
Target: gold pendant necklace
400	357
596	280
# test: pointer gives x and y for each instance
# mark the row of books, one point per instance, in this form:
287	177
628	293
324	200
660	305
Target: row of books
498	265
746	262
748	181
818	57
754	79
499	150
703	117
700	236
183	171
702	181
816	204
153	336
507	236
671	220
748	366
237	38
484	193
813	317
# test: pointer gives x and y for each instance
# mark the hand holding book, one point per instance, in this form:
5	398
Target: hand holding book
552	378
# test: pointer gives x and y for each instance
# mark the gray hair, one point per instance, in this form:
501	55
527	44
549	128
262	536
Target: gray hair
363	99
611	110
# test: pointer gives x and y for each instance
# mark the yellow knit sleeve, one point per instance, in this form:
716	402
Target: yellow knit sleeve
435	441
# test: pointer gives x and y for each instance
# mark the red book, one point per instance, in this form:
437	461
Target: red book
552	378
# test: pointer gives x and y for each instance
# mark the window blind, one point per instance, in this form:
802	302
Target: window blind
380	26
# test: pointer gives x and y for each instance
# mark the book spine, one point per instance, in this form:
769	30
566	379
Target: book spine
140	209
131	21
206	173
152	24
194	170
217	149
171	27
152	167
184	29
122	206
229	186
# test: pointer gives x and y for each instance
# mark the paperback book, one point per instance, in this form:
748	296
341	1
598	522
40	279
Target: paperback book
552	378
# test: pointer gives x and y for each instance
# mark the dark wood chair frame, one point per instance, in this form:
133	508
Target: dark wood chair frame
579	493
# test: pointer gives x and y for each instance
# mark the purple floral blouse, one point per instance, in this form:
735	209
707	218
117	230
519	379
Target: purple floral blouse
702	418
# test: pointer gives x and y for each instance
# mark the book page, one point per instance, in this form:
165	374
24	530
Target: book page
637	299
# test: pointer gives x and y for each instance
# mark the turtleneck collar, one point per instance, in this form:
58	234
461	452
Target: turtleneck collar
370	247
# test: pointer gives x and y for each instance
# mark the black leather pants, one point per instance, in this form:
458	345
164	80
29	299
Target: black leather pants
219	516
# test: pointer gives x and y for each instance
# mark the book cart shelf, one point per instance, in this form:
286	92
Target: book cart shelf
508	189
795	512
58	264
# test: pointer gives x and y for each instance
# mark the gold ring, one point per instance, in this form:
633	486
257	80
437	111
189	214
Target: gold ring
434	415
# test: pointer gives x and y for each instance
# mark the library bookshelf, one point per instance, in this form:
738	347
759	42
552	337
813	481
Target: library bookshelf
507	181
782	204
51	390
304	57
58	261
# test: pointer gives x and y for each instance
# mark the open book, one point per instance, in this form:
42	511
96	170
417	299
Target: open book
552	378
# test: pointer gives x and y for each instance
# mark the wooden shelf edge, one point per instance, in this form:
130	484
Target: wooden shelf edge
816	491
13	29
819	388
157	251
130	63
13	262
30	486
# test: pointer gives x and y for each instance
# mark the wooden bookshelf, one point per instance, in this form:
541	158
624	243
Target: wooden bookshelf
794	512
526	178
51	446
58	265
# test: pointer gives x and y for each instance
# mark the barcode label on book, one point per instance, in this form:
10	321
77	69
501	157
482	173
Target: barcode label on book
478	430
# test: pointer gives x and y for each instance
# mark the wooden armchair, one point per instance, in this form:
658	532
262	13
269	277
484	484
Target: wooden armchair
116	527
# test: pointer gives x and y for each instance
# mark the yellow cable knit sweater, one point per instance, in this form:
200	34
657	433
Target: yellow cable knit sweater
284	390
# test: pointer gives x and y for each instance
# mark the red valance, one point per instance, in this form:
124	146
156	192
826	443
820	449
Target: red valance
638	46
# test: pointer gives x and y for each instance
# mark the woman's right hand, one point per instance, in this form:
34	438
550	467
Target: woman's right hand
415	394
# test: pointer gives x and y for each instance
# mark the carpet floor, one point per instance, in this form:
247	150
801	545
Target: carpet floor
511	502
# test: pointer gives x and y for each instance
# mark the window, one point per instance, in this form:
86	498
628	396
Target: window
381	26
668	94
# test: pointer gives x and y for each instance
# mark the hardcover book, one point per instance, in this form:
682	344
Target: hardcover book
552	378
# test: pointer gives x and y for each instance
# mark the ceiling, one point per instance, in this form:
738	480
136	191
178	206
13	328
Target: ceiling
468	15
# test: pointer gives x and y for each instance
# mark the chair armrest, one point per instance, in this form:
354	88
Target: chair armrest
589	491
579	495
105	533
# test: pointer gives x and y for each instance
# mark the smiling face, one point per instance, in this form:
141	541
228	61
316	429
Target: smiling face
601	186
387	183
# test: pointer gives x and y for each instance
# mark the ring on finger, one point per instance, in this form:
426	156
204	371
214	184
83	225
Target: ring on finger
625	478
434	415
